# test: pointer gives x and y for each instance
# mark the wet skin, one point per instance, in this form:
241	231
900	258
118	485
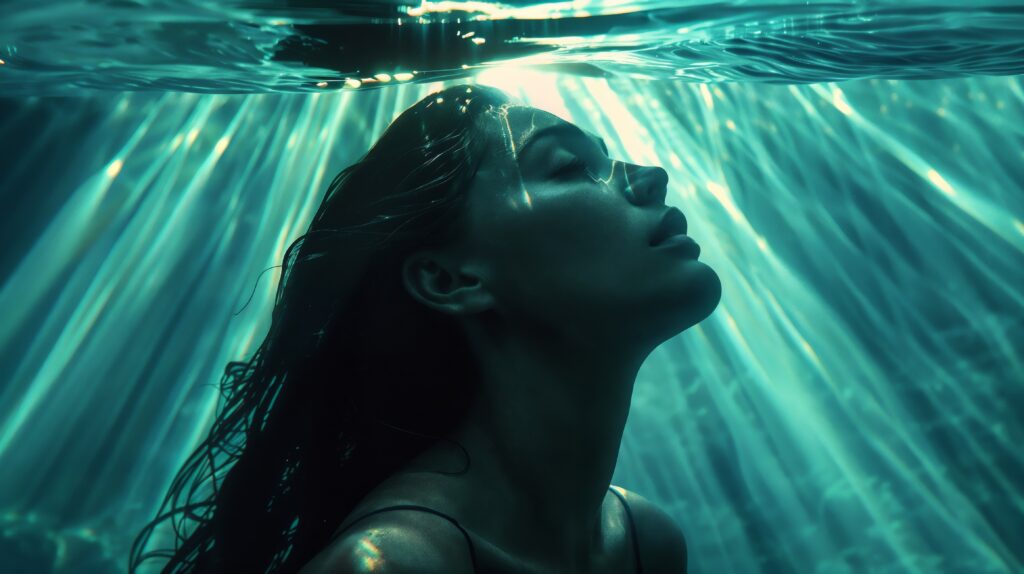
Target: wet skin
563	296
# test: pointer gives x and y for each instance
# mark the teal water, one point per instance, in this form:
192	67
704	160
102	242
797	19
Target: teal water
852	171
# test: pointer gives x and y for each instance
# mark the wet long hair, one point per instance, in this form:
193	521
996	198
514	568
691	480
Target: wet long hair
354	377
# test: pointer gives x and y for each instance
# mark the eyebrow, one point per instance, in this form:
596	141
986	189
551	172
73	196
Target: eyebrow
555	129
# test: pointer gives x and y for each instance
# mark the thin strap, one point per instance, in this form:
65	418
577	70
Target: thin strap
632	529
472	552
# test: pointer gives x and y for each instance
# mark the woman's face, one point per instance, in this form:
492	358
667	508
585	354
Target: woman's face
561	236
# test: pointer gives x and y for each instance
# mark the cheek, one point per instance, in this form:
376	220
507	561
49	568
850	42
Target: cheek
581	255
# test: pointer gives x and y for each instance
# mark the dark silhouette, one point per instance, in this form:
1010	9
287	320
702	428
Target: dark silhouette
481	287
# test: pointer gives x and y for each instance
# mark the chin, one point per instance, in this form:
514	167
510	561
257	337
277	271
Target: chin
697	301
708	295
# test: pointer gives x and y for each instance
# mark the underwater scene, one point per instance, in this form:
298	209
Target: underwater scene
852	170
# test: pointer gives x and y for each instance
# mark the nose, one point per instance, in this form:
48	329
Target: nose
646	185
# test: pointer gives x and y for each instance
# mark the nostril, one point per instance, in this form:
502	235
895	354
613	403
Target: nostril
652	185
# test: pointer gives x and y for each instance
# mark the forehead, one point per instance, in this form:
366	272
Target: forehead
511	126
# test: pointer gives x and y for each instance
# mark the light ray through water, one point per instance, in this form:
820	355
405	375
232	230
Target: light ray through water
851	406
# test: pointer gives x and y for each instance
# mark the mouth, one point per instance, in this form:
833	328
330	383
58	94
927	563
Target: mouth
672	223
682	243
671	233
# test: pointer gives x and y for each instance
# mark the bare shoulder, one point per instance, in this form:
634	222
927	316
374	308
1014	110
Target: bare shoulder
662	544
396	542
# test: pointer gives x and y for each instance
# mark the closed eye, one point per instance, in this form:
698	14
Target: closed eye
570	168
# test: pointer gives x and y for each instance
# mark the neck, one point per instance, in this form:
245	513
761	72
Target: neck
543	436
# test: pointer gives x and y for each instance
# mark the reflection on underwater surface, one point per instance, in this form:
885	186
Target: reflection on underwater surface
852	405
307	45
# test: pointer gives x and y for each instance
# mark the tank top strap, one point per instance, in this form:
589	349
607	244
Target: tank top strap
632	528
472	551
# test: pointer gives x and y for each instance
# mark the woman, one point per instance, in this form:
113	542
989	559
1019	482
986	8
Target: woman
449	369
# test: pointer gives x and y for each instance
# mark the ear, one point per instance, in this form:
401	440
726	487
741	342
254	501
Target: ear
440	281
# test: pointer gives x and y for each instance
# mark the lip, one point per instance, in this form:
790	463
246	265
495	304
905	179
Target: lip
680	242
673	223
